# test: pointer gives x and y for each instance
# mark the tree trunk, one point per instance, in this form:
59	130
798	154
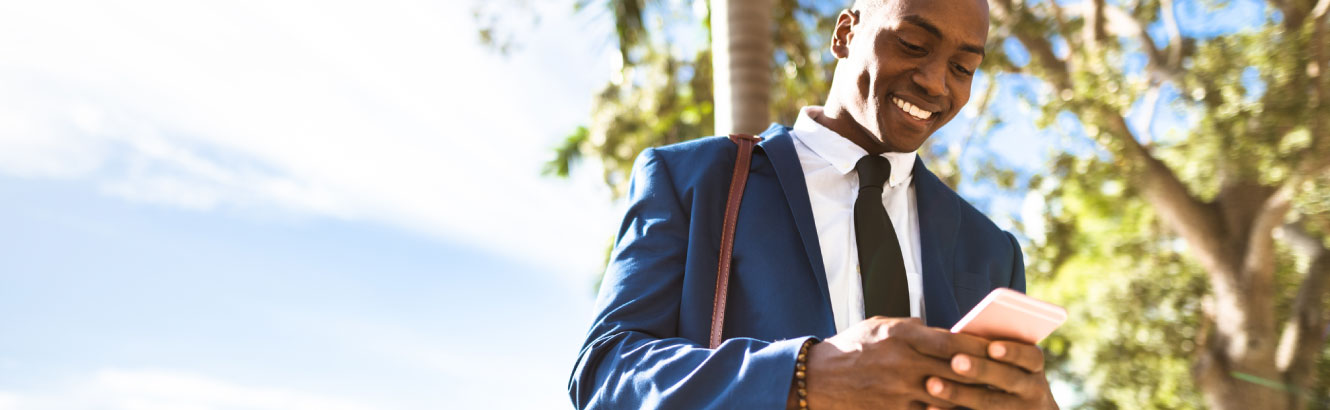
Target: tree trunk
741	46
1235	366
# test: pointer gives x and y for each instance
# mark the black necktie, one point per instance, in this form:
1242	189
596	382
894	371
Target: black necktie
881	267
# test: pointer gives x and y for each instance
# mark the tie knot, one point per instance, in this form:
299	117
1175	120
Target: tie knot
873	171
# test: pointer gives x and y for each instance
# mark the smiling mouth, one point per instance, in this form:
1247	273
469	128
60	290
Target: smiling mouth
916	112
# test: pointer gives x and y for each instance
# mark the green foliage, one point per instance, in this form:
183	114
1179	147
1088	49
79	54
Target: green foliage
660	95
656	97
1131	294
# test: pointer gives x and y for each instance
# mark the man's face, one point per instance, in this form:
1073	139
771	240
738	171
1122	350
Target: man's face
911	62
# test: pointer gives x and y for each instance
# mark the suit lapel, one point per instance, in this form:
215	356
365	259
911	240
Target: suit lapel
779	148
939	215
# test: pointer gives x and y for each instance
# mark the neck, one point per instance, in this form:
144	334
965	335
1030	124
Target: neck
835	117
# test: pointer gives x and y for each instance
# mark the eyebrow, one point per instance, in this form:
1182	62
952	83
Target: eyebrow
928	26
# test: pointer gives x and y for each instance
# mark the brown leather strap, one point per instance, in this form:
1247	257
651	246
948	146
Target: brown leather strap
737	181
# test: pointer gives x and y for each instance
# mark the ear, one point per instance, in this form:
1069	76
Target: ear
843	33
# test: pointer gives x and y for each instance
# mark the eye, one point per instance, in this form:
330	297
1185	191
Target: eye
962	70
912	48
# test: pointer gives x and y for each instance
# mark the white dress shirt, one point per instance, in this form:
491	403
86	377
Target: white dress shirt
828	161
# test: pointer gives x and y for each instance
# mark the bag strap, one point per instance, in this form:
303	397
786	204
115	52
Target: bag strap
737	182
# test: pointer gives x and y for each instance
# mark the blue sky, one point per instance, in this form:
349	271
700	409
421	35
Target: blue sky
296	204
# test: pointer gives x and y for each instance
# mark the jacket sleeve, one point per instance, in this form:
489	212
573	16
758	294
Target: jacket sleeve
633	356
1017	264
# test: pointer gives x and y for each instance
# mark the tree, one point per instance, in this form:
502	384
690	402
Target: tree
1265	154
1214	231
741	55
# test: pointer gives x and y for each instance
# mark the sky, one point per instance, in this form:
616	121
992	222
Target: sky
292	204
332	204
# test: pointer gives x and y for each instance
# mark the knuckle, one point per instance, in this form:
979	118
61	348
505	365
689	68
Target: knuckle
902	328
972	345
978	367
946	345
902	322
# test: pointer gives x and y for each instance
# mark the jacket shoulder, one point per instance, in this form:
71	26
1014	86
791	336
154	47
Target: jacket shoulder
975	218
696	159
977	224
714	146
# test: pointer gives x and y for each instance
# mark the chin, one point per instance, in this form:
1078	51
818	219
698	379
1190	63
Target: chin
895	138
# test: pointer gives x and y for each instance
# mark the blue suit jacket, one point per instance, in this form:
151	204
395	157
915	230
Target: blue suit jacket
647	347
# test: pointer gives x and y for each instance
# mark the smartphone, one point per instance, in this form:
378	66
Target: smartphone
1010	315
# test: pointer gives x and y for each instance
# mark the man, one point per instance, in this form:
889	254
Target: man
841	226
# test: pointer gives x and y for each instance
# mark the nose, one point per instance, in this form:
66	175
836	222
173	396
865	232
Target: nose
932	77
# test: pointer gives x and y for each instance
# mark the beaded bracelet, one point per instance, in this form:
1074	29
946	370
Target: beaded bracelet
800	373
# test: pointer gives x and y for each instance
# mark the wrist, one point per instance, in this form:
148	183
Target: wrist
798	396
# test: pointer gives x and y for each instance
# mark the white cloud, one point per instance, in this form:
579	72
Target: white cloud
8	401
476	373
121	389
388	113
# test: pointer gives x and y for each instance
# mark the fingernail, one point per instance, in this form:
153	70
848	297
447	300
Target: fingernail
997	350
961	363
935	386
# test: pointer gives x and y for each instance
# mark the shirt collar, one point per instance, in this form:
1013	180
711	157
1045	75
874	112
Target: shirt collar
843	154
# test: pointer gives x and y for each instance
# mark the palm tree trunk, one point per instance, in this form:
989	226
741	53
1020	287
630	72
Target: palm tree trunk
741	44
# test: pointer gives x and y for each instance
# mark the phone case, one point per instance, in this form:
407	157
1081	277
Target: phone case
1011	315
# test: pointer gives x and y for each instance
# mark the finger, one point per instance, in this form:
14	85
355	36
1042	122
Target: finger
932	402
1027	356
1009	378
930	368
971	396
927	365
904	364
925	401
942	344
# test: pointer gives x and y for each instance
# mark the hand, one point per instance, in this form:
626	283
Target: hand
1014	370
883	363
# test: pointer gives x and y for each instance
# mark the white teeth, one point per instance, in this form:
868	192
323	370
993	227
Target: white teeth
914	111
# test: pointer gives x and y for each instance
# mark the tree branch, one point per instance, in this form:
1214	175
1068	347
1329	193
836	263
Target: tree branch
1174	34
1303	336
1147	43
1195	221
1041	50
1162	67
1259	258
1319	158
1294	15
1320	9
1151	107
1095	23
1060	18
